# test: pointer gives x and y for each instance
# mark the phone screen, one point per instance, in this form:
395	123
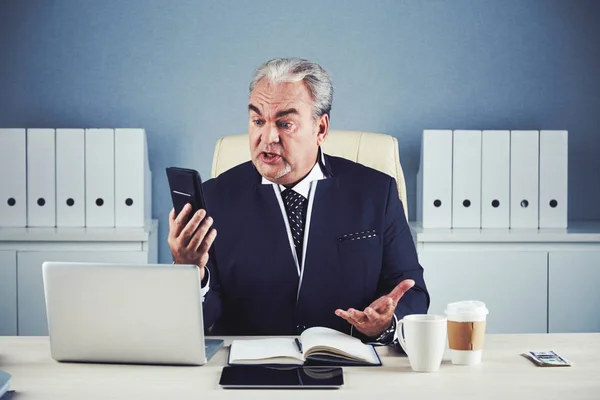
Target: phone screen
259	376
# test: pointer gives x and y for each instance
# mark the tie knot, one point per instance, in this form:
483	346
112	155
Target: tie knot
292	198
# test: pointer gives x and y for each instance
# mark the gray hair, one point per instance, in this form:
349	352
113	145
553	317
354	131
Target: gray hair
295	70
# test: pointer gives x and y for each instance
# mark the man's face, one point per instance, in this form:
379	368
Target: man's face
284	137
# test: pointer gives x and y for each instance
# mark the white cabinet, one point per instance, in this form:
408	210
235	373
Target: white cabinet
503	280
574	300
532	280
23	250
8	293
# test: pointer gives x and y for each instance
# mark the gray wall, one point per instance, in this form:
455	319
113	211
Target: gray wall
180	69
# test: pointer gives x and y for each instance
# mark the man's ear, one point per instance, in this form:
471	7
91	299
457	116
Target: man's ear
323	128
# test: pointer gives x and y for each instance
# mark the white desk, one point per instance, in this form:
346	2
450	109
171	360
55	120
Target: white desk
503	374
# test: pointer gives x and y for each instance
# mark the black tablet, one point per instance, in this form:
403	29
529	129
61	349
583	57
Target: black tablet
281	377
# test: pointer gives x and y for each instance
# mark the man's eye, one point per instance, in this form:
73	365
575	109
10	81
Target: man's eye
259	122
284	125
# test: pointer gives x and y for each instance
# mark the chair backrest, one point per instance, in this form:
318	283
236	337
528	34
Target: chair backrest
376	150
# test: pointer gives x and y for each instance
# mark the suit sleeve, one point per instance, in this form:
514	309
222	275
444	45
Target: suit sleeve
400	260
212	302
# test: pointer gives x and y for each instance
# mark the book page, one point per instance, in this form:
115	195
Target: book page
320	340
265	351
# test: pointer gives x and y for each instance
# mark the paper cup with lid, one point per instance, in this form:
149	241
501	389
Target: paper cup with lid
466	331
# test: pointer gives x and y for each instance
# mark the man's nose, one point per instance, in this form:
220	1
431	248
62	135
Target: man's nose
271	134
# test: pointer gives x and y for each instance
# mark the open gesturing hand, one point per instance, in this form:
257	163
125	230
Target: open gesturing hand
377	317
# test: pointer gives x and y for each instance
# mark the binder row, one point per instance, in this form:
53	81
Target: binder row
493	179
74	178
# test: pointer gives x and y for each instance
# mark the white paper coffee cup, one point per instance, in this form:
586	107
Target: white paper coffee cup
466	331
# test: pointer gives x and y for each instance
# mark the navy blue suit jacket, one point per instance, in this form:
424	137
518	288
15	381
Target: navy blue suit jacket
253	278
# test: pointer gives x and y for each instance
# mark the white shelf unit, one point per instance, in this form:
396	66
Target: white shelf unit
23	250
532	280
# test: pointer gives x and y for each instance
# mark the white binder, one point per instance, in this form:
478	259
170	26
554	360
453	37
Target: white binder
13	178
41	179
132	174
466	179
495	179
70	178
524	196
553	179
434	180
99	178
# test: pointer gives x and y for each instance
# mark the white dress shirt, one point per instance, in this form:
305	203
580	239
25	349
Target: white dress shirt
302	187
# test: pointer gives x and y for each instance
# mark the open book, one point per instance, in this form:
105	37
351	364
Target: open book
316	346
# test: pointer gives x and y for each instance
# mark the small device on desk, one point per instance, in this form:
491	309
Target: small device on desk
281	377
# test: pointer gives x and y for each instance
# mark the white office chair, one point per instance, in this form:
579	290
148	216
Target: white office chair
376	150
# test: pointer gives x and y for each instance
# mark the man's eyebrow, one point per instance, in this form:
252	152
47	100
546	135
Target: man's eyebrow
280	114
286	112
252	107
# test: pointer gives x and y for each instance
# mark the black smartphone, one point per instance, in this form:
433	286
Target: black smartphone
186	187
281	377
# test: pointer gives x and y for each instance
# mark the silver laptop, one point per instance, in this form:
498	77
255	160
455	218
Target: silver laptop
125	313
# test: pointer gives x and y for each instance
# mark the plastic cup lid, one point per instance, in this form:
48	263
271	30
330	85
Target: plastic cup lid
467	307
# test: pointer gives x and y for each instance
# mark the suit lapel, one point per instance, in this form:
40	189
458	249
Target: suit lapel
277	234
325	199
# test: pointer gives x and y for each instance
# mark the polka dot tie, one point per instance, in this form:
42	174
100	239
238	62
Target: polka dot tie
295	207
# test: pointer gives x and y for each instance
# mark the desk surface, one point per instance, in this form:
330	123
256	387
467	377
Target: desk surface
503	374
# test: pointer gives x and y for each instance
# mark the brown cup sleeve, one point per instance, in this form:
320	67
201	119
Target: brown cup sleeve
466	335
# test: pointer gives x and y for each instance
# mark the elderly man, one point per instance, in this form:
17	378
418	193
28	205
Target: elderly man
304	239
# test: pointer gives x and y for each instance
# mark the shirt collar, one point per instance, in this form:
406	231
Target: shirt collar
302	187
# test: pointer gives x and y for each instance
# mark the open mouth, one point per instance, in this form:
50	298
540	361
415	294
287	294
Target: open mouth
270	157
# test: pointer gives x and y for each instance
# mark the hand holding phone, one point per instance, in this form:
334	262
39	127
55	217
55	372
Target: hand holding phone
190	233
